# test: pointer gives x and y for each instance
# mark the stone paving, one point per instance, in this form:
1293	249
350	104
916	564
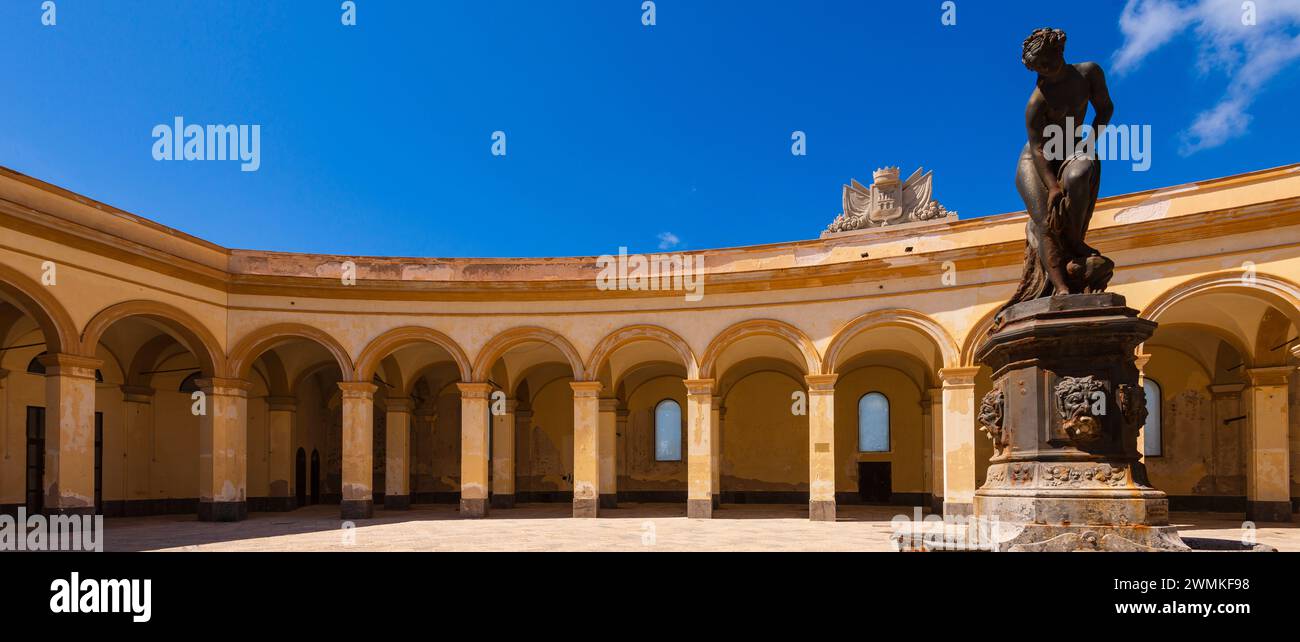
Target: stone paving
547	527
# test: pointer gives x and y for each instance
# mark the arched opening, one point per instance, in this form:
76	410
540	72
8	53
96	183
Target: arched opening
642	370
761	411
1220	385
888	415
149	412
294	403
530	436
413	367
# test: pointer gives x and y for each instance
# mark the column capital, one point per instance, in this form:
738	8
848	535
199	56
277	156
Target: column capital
69	365
1295	351
621	414
358	389
821	382
398	404
523	415
223	387
958	377
698	387
475	390
608	404
512	405
282	404
586	388
425	414
1274	376
1222	390
1141	360
137	394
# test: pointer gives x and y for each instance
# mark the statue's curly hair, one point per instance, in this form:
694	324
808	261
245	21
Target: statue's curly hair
1040	42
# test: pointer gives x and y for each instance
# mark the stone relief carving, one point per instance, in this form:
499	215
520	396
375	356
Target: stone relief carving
1077	476
1078	400
992	408
889	201
1132	402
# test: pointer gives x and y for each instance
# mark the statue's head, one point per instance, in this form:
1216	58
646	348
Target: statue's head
1044	51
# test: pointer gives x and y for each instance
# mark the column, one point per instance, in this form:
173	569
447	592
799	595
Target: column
608	453
715	448
474	449
279	421
1229	428
821	447
700	461
958	440
358	449
503	456
425	421
586	448
137	431
69	434
936	450
397	454
523	451
1268	475
223	450
1141	361
620	432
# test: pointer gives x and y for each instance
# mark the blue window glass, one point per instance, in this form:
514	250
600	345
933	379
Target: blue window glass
668	431
1152	443
873	423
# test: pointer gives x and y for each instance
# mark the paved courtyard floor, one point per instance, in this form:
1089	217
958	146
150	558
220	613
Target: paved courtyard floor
548	527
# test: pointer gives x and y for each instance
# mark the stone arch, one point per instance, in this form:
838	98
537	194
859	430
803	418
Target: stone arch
757	328
501	343
948	350
975	337
179	324
267	337
36	302
397	338
1276	291
645	332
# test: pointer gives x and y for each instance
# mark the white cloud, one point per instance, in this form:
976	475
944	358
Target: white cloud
668	241
1250	55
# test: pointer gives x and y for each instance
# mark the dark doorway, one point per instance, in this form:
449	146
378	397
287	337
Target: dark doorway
35	459
300	477
315	477
875	482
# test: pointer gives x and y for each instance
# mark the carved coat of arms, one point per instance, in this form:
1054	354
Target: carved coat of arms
889	201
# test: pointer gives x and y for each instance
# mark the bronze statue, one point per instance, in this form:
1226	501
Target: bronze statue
1060	192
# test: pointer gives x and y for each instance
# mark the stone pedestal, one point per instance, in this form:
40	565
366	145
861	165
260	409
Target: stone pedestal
1064	415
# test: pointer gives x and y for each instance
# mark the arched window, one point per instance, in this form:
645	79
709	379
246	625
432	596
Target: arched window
668	431
190	384
1153	431
873	423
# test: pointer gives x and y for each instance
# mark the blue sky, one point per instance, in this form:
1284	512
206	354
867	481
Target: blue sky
376	139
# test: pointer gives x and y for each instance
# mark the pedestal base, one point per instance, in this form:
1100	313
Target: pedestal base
357	509
473	508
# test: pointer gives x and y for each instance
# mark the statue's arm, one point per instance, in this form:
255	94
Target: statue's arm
1100	96
1035	124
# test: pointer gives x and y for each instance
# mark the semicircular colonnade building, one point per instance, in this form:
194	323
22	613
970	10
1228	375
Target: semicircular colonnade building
145	371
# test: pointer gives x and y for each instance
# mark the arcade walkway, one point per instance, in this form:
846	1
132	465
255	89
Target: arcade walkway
547	527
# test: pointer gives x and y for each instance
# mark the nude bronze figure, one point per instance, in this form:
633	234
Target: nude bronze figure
1060	191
